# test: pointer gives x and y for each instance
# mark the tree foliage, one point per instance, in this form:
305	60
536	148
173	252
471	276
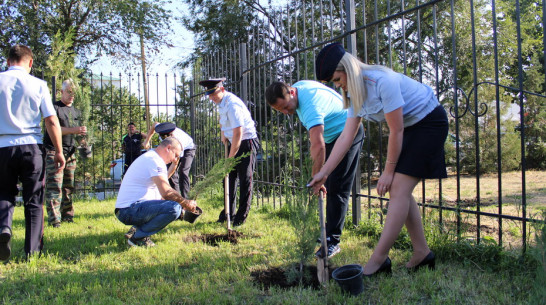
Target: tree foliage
99	27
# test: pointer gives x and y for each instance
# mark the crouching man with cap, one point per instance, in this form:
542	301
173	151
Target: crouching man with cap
238	131
146	200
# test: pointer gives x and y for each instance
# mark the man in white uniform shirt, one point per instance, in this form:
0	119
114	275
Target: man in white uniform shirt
146	200
239	133
24	101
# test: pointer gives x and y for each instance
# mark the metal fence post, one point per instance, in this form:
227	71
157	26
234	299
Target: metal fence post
351	48
244	83
192	123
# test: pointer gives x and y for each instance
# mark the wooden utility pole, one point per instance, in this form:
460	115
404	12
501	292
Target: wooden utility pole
145	81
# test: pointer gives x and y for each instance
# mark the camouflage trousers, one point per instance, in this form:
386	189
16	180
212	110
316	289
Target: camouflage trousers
59	188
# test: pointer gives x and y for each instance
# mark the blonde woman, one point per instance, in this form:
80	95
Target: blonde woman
418	128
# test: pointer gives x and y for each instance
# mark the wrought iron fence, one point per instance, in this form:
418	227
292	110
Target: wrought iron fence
456	47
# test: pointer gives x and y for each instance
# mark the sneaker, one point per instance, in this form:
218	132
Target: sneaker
68	219
130	233
332	250
141	242
320	240
5	243
56	225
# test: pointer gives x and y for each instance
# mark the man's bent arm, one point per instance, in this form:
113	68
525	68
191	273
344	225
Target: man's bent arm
318	147
54	130
168	193
236	141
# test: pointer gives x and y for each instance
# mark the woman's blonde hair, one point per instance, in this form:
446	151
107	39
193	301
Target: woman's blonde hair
355	81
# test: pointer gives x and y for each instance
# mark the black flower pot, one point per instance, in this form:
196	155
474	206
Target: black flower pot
86	152
191	217
349	278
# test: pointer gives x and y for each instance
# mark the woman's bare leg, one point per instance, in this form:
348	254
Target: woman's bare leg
398	211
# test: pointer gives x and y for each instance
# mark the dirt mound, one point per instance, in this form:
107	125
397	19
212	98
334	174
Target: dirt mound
278	277
213	239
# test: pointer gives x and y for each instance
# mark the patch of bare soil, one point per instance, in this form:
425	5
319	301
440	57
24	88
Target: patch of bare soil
213	239
277	276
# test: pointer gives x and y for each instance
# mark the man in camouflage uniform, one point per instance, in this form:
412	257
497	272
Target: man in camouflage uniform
60	185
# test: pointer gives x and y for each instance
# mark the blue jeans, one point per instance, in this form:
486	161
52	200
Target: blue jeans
149	217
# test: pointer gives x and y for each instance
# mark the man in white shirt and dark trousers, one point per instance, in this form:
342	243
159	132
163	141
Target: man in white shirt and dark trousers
146	200
239	133
24	100
180	180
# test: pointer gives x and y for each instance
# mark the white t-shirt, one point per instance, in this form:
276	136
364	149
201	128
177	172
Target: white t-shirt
137	185
233	113
24	101
184	139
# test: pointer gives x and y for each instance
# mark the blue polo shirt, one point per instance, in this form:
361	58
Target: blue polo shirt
320	105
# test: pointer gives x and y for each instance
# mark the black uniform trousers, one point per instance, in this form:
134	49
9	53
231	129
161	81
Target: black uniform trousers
180	180
242	172
338	187
24	163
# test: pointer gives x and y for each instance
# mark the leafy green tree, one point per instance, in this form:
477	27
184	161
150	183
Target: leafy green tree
101	27
112	109
532	63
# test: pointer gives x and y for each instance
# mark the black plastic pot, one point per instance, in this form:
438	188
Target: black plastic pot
349	278
85	152
191	217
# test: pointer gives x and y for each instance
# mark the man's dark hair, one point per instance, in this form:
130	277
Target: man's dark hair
19	52
131	123
274	91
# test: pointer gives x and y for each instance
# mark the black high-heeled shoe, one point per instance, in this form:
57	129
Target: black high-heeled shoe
386	267
429	261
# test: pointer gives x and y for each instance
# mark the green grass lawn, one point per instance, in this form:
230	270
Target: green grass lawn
89	262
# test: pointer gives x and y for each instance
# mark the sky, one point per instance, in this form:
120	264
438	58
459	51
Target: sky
167	58
162	63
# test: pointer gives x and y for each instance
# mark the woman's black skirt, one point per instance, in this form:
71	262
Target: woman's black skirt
423	153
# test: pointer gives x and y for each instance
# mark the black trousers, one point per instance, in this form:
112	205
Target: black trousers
338	185
24	163
180	180
242	173
129	159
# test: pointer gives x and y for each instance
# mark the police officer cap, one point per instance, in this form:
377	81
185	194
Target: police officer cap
212	84
327	60
164	128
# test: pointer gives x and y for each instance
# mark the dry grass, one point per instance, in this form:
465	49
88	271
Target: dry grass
504	198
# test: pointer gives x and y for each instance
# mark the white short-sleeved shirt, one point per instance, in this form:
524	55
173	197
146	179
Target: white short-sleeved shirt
388	91
137	184
184	139
233	113
24	101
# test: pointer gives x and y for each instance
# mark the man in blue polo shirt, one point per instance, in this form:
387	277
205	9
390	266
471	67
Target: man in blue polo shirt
320	109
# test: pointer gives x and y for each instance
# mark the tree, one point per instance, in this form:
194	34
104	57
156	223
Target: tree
99	26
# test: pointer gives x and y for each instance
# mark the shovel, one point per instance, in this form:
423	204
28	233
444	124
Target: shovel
322	261
226	192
